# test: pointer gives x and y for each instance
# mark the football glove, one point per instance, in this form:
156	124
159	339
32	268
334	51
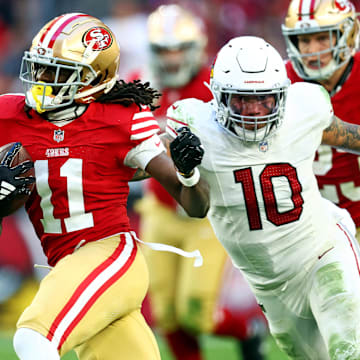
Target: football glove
186	151
11	183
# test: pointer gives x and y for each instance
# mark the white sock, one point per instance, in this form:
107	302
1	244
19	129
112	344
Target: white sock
31	345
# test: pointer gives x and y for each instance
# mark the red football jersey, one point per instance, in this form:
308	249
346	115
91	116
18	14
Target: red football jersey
338	173
81	180
194	89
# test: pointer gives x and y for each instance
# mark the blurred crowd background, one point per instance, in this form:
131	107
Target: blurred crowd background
20	20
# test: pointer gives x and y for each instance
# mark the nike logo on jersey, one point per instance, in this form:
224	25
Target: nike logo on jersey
158	143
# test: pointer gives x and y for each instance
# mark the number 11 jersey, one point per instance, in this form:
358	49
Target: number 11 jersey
81	177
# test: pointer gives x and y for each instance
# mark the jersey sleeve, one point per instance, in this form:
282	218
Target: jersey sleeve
327	112
182	113
141	155
310	102
10	105
143	126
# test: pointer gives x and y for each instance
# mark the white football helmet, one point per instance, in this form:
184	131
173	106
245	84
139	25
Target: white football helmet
337	17
247	67
177	45
82	54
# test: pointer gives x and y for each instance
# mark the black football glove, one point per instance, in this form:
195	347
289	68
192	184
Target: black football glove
11	183
186	151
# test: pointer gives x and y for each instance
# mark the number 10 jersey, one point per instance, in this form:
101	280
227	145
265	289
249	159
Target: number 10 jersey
266	208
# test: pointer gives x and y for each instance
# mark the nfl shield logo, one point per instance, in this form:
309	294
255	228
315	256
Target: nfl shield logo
263	146
59	135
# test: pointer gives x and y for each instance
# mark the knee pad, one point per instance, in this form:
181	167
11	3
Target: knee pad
31	345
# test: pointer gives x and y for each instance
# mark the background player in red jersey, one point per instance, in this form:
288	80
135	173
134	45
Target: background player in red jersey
19	281
322	39
185	301
87	134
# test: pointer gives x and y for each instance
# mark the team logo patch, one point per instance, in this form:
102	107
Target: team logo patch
57	152
59	135
263	146
344	6
41	51
304	25
99	36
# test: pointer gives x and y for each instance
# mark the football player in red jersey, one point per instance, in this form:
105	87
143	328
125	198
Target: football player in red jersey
87	133
185	301
322	39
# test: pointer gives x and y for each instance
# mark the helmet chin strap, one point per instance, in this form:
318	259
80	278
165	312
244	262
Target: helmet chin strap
322	73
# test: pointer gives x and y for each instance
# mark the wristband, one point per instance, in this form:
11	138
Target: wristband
190	181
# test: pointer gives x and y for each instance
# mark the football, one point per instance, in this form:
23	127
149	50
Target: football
7	207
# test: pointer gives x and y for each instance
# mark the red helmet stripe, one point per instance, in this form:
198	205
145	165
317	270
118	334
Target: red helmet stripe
55	29
306	9
50	25
300	11
312	9
62	26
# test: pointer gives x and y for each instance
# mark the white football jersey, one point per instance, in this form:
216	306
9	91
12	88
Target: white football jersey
266	208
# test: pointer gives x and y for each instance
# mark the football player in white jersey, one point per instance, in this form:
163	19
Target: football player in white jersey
260	135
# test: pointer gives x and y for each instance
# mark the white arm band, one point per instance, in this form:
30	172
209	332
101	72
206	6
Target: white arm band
190	181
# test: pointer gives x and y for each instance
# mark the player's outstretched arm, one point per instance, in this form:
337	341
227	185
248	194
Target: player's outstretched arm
342	135
183	181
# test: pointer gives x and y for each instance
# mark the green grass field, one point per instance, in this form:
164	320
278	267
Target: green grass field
215	349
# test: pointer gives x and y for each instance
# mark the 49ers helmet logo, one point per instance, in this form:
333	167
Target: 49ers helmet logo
344	5
103	38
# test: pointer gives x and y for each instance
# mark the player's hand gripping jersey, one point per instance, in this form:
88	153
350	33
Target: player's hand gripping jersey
81	188
266	208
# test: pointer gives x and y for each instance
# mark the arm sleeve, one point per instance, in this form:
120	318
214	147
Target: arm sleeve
140	155
177	117
143	126
326	106
311	102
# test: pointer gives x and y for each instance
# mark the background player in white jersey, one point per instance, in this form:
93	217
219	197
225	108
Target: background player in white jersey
322	40
260	135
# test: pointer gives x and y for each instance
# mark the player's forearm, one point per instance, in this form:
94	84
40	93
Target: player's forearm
195	200
140	175
342	135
